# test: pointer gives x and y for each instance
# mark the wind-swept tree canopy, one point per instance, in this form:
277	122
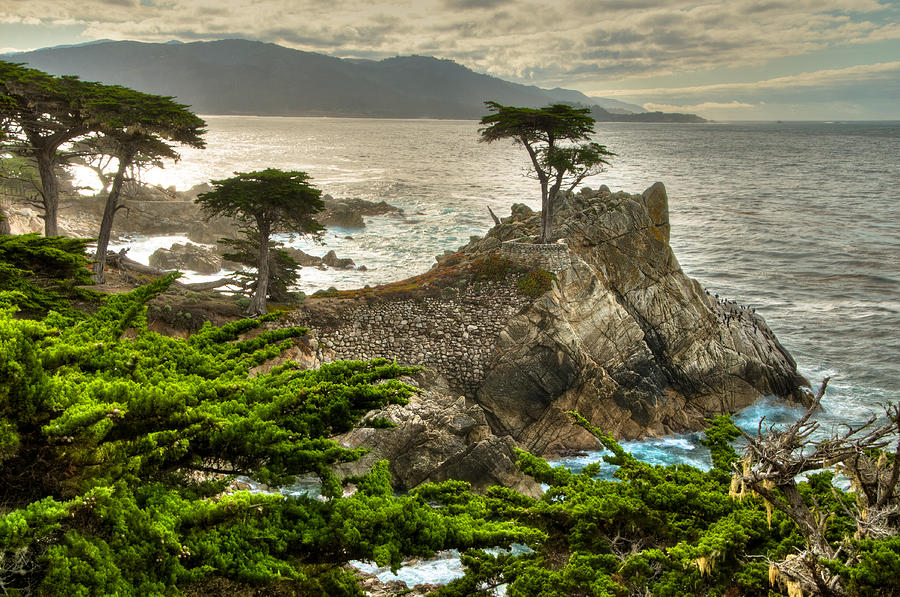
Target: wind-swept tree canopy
269	201
136	129
40	114
116	453
557	139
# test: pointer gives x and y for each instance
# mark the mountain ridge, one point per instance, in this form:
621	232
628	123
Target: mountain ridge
243	77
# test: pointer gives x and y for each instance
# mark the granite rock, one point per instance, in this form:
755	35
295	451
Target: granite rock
439	435
626	338
187	257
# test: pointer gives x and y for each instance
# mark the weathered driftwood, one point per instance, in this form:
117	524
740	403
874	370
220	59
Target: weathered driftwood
494	216
772	461
121	261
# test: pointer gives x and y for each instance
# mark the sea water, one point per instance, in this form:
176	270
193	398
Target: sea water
799	220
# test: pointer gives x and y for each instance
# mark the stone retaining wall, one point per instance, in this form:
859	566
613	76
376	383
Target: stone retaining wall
452	335
553	258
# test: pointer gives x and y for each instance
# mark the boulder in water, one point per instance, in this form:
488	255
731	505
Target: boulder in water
188	257
332	260
348	213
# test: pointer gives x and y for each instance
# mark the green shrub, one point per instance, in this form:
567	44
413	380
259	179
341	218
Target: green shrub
492	267
110	447
45	271
536	282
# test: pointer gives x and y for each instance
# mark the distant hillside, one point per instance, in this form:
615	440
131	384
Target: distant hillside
246	77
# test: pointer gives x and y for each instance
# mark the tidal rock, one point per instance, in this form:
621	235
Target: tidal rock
348	213
439	435
187	256
341	215
332	260
303	258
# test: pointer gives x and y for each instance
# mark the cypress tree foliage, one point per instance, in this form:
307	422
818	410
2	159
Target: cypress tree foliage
677	530
111	445
136	129
270	200
45	272
40	114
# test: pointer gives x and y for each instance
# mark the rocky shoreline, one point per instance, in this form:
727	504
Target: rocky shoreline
151	210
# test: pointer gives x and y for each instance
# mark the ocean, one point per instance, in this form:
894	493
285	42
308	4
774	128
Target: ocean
801	220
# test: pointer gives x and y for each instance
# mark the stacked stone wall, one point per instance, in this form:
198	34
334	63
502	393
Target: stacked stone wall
553	258
454	334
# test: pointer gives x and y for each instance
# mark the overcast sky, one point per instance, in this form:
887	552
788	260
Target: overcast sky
735	59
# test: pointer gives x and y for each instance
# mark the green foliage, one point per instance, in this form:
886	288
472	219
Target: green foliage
557	139
43	115
46	272
137	129
877	569
660	530
536	282
115	449
718	438
267	201
492	267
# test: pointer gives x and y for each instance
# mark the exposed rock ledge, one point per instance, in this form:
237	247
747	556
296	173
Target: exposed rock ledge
622	336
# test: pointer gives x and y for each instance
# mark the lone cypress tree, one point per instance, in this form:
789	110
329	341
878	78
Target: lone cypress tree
557	139
269	200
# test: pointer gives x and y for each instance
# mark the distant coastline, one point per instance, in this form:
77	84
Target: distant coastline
237	77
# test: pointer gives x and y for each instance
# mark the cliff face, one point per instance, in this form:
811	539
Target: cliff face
624	336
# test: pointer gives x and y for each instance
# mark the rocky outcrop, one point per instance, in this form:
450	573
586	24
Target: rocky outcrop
330	259
187	257
624	336
439	435
348	213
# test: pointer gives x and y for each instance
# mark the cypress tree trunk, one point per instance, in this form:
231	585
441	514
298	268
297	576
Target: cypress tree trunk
109	213
4	223
49	191
258	300
546	214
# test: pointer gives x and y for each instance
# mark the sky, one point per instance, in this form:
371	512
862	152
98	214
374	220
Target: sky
725	60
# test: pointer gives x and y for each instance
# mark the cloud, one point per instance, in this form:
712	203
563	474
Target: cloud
586	44
467	4
852	75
